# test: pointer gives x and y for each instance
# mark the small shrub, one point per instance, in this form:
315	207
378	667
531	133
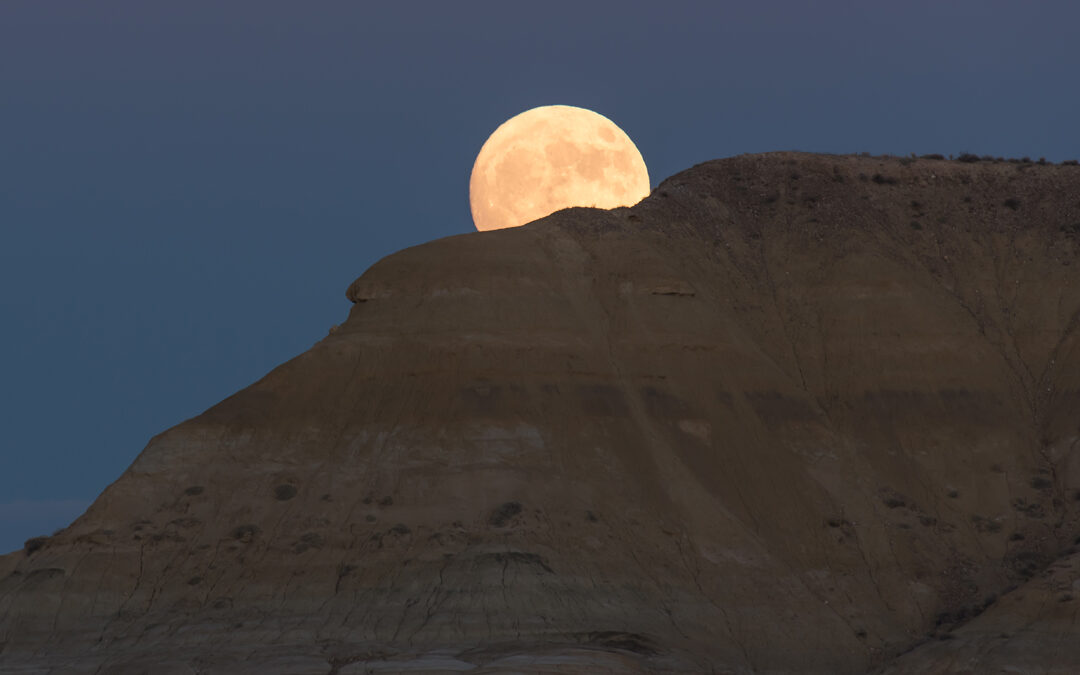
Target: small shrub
1071	162
1041	483
194	490
245	533
505	513
1016	536
34	544
386	501
915	225
881	179
934	155
1011	203
194	581
400	529
894	501
952	494
284	492
967	158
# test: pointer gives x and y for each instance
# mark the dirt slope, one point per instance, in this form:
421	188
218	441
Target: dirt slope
792	413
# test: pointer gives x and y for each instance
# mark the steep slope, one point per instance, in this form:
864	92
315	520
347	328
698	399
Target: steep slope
790	413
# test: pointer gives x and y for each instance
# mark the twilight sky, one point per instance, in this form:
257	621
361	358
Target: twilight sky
186	189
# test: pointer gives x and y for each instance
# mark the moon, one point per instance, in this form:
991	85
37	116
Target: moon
550	158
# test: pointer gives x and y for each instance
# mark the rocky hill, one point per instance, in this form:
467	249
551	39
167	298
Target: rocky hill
792	413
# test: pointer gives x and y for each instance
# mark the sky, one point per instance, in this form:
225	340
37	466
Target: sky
187	189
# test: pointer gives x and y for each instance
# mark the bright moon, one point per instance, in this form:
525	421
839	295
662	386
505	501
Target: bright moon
552	158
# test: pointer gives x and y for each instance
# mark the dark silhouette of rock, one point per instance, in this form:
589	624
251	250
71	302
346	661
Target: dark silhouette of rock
792	413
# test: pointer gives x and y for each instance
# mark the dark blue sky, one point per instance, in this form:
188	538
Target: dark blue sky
186	191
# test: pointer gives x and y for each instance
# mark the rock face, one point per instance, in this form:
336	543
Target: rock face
792	413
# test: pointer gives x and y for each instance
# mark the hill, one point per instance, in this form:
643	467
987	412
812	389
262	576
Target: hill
791	413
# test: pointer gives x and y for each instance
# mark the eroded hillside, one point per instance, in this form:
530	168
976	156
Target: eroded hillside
791	413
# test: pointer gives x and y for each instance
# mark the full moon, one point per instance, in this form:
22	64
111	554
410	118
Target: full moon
552	158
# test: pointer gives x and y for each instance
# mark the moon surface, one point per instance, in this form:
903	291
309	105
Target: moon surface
552	158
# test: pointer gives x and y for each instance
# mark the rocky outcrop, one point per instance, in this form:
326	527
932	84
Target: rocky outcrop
790	413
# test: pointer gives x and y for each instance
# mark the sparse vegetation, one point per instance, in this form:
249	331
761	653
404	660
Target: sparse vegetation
1011	203
245	533
194	491
505	513
284	492
1041	483
934	155
1031	510
882	179
894	501
400	529
34	544
968	158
